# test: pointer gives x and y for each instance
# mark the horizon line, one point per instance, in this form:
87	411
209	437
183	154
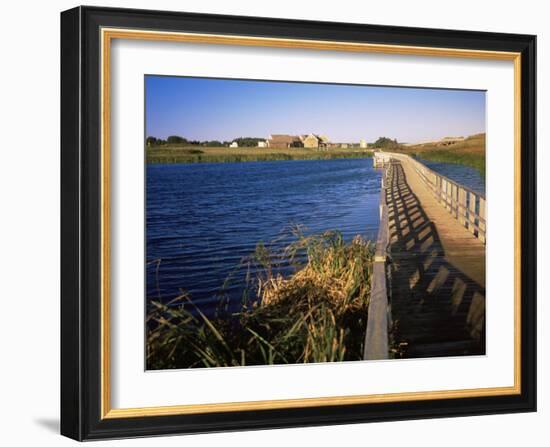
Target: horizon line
221	140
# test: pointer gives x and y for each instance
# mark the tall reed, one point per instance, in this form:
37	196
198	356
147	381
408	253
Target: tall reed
155	158
316	314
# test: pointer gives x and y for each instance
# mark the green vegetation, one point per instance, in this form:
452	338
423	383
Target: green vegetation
248	141
199	154
179	140
176	139
386	143
470	152
473	160
318	314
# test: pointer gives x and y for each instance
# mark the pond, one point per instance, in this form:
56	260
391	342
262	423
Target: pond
203	219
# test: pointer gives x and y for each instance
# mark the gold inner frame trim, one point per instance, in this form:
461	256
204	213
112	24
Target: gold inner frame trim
107	35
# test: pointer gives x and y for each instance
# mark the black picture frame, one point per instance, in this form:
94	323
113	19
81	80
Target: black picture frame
81	223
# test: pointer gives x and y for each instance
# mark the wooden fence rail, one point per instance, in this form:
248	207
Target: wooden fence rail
465	205
379	316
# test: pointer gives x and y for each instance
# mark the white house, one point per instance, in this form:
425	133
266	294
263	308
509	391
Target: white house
262	143
234	144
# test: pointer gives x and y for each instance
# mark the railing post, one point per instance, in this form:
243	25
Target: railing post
472	213
482	227
462	207
455	198
461	204
454	201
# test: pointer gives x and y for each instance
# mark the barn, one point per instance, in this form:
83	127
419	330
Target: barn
314	141
284	141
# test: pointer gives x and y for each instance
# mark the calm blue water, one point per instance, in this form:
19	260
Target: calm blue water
203	219
465	175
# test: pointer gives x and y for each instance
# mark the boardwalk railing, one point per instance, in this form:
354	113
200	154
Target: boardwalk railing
465	205
381	159
379	316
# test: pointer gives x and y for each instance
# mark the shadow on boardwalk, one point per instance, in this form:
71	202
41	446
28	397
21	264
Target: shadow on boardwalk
437	310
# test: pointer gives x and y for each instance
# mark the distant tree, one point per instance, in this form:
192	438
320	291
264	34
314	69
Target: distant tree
248	141
151	141
176	139
154	141
212	143
386	143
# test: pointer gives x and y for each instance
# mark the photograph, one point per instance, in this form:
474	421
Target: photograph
277	213
272	222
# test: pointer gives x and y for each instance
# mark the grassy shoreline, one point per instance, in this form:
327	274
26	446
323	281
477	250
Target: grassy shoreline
470	152
317	314
476	161
197	154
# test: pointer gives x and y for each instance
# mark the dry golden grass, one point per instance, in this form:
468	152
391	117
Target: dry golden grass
317	314
473	144
470	152
335	271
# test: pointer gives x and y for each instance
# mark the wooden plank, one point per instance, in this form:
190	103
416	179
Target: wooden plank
438	266
376	339
382	241
453	197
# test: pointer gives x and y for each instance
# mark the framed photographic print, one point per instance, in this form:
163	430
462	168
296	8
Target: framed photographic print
277	223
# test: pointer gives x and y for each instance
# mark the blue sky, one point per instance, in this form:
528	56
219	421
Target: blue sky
220	109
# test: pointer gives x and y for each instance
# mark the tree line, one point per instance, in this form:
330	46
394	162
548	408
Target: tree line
381	142
178	140
386	143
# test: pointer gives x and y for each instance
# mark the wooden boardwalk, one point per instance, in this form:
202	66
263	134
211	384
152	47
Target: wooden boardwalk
435	283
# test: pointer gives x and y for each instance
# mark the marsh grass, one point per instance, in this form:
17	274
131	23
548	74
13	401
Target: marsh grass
470	152
472	160
316	314
183	154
